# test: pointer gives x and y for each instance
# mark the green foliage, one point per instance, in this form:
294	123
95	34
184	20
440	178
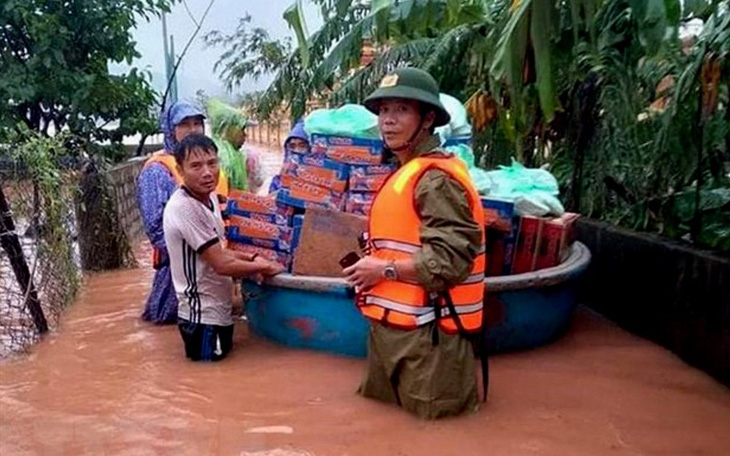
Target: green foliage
54	59
250	53
48	209
602	91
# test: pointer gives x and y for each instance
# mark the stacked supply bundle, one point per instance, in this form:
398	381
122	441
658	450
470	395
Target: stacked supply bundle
364	183
500	226
523	243
349	136
258	225
312	179
541	233
337	138
543	242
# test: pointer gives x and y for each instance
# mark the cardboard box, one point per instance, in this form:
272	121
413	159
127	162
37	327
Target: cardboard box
369	178
327	236
242	227
495	252
359	203
248	202
280	245
317	170
281	258
501	228
528	244
557	237
297	225
301	194
498	214
355	151
280	218
509	245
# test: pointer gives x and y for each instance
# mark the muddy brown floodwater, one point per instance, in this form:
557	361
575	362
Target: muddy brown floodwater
108	383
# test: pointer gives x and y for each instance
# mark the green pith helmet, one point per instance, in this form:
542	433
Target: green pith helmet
410	84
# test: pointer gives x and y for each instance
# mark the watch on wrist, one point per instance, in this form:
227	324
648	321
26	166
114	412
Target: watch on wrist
390	273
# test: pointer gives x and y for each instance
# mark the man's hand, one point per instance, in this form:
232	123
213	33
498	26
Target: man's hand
242	256
268	268
366	273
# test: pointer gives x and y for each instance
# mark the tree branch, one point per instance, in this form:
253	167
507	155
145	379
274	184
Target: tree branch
182	55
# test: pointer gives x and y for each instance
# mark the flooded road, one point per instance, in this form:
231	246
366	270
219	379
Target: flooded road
108	383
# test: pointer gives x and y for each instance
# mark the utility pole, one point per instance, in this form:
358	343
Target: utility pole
170	75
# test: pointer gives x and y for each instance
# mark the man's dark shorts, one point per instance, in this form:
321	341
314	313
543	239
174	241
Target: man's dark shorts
205	342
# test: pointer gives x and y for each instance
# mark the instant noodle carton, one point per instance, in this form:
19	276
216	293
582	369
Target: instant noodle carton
254	232
355	151
280	245
298	193
359	203
279	218
364	178
249	202
281	258
317	170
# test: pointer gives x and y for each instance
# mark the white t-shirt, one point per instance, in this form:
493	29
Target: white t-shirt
190	227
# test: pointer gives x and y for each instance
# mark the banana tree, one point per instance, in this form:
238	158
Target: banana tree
406	31
702	207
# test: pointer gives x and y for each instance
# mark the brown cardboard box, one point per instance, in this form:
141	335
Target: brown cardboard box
327	236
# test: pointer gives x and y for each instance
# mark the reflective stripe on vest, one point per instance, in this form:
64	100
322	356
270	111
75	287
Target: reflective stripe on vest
395	234
420	314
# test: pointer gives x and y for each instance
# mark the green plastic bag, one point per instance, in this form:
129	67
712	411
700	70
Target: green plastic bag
464	152
350	120
534	191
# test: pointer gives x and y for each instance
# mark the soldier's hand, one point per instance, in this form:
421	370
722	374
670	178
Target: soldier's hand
366	273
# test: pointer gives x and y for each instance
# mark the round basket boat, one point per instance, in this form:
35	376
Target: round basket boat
521	311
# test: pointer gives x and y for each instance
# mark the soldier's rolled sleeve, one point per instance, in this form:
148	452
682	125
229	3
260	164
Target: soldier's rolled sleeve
450	237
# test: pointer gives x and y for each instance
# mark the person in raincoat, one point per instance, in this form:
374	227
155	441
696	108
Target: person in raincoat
156	183
296	143
228	130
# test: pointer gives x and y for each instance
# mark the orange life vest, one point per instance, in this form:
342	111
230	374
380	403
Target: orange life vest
394	231
168	161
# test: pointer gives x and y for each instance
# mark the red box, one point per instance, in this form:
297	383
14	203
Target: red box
528	244
557	236
495	252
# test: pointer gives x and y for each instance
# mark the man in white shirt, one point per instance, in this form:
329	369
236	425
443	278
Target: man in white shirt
202	270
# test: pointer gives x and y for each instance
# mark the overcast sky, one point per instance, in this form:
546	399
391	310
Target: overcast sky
196	71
